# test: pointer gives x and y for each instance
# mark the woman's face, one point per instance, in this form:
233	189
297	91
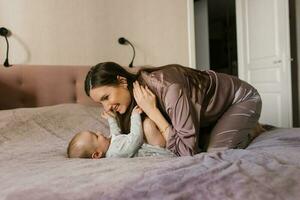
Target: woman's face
113	98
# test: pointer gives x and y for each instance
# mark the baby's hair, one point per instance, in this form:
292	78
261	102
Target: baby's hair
77	149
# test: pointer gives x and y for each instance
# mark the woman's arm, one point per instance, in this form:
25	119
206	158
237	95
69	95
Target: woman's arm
181	134
156	116
147	102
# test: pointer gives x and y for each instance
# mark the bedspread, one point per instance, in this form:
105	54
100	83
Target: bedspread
33	164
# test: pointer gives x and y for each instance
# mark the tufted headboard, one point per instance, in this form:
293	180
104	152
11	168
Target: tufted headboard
43	85
35	86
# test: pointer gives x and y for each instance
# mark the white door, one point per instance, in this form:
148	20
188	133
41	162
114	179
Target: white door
264	55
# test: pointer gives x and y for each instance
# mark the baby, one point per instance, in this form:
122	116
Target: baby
88	144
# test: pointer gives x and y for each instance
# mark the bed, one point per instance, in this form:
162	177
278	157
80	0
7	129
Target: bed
43	106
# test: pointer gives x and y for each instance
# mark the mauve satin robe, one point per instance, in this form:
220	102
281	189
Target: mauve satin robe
198	104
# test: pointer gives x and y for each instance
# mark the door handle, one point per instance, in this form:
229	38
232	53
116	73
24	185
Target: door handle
277	61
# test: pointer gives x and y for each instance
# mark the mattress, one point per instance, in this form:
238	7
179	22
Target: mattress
33	163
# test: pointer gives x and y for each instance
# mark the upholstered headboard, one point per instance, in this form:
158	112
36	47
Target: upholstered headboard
34	85
43	85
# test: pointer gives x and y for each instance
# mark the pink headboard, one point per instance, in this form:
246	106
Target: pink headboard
44	85
35	85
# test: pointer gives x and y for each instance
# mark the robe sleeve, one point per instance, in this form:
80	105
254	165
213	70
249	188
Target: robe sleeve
182	132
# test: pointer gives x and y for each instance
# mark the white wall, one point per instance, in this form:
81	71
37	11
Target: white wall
81	32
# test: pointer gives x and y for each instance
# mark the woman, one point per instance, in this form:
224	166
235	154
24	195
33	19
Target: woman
195	110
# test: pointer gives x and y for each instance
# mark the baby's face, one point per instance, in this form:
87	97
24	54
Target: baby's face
101	144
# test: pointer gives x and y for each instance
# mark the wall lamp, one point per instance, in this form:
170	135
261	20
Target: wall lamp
5	33
124	41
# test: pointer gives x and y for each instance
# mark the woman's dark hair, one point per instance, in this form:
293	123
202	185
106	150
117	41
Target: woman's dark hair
105	74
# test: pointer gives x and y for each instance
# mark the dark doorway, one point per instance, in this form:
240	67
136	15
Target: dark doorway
294	63
222	36
222	42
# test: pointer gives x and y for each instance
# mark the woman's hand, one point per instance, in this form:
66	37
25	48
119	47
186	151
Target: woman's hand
107	114
145	99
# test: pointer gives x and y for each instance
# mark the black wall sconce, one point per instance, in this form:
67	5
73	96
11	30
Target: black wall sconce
5	33
124	41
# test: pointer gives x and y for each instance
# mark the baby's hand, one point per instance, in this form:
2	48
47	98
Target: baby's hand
137	110
107	114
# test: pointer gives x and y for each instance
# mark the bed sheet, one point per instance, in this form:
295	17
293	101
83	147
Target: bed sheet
33	164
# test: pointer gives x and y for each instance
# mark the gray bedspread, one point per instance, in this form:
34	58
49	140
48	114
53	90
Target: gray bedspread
33	164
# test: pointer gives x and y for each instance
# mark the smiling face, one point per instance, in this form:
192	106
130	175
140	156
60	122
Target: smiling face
113	98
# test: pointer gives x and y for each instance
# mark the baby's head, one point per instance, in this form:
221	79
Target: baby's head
87	144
